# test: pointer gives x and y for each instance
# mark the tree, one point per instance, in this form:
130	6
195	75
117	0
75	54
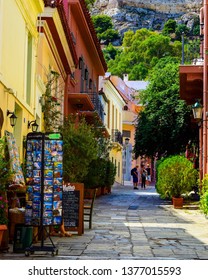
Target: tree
89	3
163	126
140	52
110	52
169	27
104	28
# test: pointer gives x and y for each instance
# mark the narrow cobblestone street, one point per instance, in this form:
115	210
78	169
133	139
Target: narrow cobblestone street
134	224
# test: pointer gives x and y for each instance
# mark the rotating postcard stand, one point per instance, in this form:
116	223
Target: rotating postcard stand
44	170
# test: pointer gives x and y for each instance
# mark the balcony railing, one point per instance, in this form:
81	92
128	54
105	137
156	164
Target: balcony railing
116	136
97	105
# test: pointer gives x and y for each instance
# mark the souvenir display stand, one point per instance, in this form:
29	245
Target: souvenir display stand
44	180
16	190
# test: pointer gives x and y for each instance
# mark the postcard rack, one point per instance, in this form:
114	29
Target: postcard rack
44	180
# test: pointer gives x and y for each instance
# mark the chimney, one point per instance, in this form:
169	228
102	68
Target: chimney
125	77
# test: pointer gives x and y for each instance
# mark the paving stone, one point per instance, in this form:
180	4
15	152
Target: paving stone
153	230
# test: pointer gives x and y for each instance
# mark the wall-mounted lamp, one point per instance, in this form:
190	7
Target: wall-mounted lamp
13	118
34	125
79	106
197	109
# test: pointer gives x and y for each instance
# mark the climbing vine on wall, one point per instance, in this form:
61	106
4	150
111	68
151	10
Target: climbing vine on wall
51	106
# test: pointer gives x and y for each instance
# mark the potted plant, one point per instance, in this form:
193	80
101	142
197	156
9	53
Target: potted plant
204	195
95	178
80	148
5	176
110	175
175	176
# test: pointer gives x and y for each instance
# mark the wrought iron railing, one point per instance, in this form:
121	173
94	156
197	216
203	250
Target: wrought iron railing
98	107
116	136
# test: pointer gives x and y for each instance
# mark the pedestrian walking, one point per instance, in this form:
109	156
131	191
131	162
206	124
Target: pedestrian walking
148	174
135	175
143	177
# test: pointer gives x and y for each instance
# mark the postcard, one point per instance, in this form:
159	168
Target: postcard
48	182
48	197
48	173
57	173
58	165
37	165
48	189
57	220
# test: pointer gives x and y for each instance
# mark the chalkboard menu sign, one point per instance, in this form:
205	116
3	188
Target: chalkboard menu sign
72	205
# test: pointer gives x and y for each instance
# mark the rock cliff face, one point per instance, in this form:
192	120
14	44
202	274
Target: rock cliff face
136	14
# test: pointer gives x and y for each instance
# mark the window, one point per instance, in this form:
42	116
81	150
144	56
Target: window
80	63
127	133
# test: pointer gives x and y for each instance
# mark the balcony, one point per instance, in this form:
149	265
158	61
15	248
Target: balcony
89	104
98	107
116	136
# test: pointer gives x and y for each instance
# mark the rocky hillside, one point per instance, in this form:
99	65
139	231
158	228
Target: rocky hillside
136	14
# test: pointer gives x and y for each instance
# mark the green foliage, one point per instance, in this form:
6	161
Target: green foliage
96	174
204	195
141	51
110	173
89	3
5	172
3	210
169	27
101	173
80	148
175	176
51	107
163	127
104	28
181	29
110	52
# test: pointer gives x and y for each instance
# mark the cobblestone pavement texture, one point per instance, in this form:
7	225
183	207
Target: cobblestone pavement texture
133	225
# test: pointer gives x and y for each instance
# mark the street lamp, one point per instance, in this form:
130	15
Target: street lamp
34	125
197	109
12	118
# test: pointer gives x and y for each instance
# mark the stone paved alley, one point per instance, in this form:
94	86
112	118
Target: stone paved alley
134	224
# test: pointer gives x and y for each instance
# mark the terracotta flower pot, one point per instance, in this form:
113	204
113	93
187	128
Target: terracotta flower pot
2	229
177	202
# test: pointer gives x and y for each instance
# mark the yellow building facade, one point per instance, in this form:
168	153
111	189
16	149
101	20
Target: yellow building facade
18	51
35	49
113	123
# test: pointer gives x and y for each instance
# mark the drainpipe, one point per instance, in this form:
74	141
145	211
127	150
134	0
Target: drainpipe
205	87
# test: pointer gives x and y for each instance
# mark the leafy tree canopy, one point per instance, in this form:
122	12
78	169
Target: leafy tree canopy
104	28
169	27
163	126
140	51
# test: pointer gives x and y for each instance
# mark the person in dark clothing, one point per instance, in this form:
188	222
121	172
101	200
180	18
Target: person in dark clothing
135	175
143	177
